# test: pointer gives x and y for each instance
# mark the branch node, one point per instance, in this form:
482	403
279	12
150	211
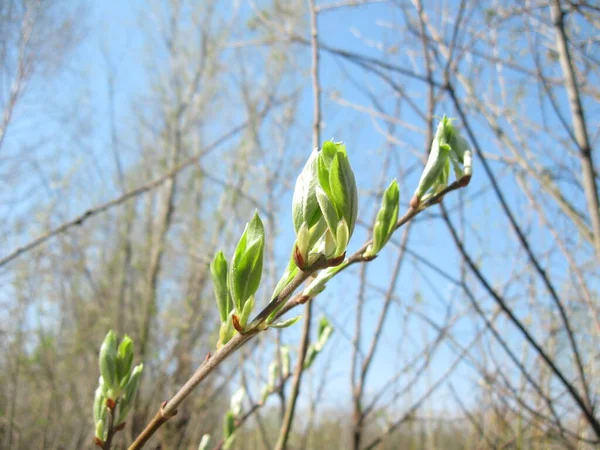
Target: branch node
162	411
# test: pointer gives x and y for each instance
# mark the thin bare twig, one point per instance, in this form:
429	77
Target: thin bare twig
580	129
79	220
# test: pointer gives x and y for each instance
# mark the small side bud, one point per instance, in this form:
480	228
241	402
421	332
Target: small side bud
273	374
324	333
342	237
285	361
236	401
287	323
226	331
248	307
204	442
264	394
302	242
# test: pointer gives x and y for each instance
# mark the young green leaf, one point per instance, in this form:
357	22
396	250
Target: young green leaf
343	188
246	264
108	363
218	271
229	442
436	162
99	431
336	178
324	333
323	325
287	323
311	355
305	209
290	272
129	393
341	239
99	405
124	360
327	207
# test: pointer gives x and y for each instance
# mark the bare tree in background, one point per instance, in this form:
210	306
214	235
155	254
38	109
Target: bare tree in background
478	327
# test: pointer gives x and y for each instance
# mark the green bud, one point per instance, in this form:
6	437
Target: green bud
447	147
124	360
229	442
247	262
248	307
287	323
129	393
325	195
226	331
108	364
204	442
273	374
264	394
285	361
387	216
228	424
324	333
236	401
218	271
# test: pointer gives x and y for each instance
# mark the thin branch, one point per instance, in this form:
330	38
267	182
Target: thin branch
579	125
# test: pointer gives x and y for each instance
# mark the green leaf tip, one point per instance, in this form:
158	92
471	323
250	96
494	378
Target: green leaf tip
247	262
